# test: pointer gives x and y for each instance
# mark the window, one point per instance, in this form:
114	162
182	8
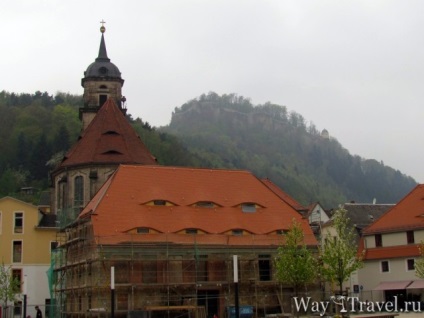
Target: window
53	246
17	252
410	264
378	240
102	99
205	204
159	202
191	231
79	191
143	230
385	266
17	274
202	268
410	237
18	222
237	232
61	193
248	207
17	309
264	264
149	271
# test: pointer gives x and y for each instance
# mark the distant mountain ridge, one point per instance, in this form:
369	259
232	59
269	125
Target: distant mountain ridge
210	131
229	132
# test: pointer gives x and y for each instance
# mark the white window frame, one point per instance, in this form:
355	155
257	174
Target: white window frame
14	222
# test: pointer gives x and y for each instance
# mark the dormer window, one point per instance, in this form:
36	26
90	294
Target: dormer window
110	132
143	230
112	152
205	204
191	231
237	232
248	207
159	202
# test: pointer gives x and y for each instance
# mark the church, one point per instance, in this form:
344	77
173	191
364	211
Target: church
161	240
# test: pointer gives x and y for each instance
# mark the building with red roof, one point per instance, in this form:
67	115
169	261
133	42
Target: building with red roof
390	247
106	140
169	233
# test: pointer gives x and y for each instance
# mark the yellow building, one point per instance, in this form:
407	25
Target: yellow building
27	236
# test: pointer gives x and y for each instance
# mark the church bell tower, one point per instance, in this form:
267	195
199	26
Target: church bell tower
102	80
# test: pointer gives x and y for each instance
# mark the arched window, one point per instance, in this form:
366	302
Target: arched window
79	191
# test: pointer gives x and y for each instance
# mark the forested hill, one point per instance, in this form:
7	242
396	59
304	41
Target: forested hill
228	131
210	131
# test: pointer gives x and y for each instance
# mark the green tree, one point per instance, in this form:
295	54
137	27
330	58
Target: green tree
12	180
39	158
419	263
9	286
61	140
339	254
295	263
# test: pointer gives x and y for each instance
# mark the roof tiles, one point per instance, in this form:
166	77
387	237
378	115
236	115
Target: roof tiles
109	139
407	214
120	205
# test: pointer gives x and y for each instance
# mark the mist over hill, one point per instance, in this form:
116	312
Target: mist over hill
229	132
211	131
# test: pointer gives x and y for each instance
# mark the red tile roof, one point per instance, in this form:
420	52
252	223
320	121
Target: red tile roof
408	214
392	252
120	206
284	196
109	139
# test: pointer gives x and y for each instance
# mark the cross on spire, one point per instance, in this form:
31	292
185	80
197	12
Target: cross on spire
102	28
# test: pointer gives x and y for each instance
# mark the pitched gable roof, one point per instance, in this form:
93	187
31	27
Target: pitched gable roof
284	196
120	205
362	215
9	198
408	214
109	139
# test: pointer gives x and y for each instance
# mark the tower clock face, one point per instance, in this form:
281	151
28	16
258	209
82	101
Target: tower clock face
103	70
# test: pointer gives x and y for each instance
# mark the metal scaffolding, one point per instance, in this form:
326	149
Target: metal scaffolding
162	274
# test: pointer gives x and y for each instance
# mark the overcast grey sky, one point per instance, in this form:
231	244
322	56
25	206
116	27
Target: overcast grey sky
354	68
